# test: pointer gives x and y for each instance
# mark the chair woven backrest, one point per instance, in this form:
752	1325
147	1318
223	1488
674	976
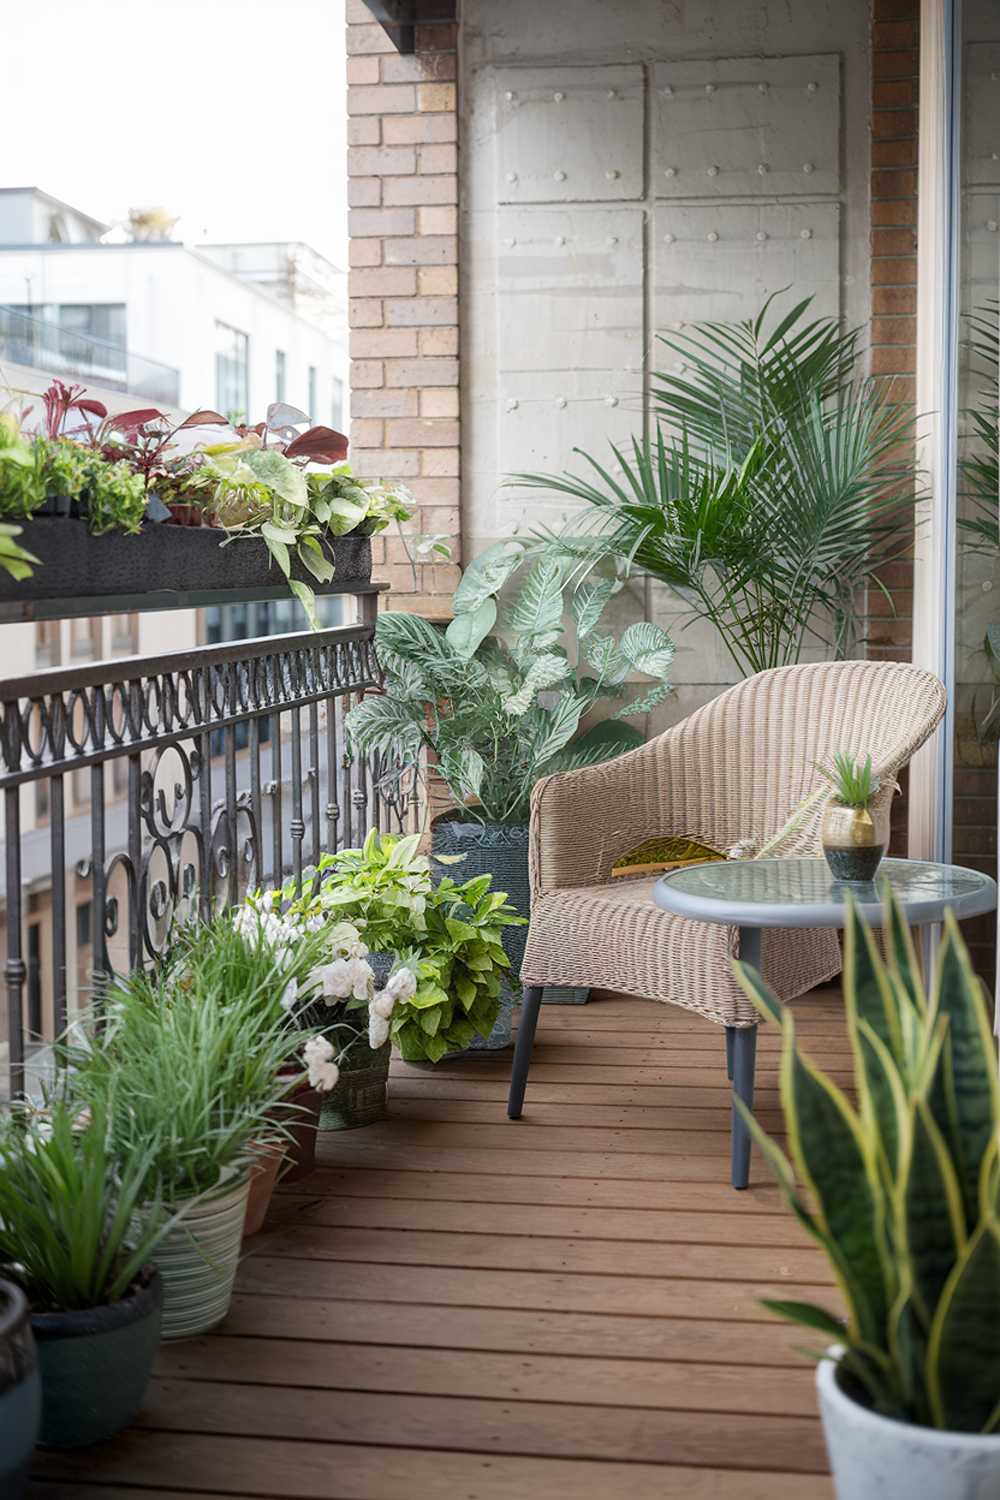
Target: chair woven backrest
736	768
750	755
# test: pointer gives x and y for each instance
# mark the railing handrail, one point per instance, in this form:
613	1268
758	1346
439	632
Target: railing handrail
120	669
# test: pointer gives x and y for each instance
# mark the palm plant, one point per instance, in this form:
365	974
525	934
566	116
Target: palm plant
771	491
902	1188
980	469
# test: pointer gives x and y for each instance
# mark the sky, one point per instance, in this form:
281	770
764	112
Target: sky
229	113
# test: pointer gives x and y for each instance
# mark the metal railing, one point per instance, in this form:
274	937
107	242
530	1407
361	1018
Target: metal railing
44	345
232	769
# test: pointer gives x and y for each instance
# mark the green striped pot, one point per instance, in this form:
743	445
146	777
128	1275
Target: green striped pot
198	1257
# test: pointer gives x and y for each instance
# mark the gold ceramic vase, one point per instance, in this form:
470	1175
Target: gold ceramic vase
852	843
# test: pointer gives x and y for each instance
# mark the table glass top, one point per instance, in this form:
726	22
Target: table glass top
773	886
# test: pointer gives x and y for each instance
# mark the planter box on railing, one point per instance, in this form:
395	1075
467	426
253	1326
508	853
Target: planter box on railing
183	559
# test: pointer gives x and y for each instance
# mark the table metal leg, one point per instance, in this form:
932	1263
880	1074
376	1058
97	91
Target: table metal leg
741	1051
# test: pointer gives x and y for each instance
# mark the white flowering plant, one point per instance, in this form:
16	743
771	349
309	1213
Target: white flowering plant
446	937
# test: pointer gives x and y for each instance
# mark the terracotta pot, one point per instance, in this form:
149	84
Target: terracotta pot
263	1175
302	1123
184	515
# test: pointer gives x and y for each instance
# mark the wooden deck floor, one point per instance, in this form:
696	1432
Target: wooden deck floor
456	1307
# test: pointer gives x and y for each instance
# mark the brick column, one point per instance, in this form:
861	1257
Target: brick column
403	286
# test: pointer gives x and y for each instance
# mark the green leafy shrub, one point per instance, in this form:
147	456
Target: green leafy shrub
449	934
500	708
902	1188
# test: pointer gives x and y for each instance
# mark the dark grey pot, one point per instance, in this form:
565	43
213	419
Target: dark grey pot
157	559
96	1364
20	1391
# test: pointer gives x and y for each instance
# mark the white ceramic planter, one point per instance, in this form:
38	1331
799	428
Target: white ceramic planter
198	1257
876	1458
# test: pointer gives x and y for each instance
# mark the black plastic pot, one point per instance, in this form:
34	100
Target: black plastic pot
179	559
96	1363
54	505
20	1391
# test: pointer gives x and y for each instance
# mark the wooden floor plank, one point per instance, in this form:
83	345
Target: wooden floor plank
494	1219
544	1429
484	1187
455	1306
262	1469
350	1320
664	1296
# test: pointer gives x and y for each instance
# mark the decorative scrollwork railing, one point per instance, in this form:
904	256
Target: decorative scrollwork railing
169	786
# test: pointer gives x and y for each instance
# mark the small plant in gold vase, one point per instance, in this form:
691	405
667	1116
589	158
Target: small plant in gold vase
852	831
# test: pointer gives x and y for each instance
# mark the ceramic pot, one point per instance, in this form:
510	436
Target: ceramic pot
499	850
360	1095
268	1156
95	1364
198	1256
877	1458
853	843
20	1391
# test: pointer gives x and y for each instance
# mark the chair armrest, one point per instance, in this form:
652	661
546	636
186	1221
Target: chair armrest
583	821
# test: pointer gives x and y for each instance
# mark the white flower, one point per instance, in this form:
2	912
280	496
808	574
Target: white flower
378	1030
345	939
345	978
402	985
323	1076
290	995
383	1004
318	1049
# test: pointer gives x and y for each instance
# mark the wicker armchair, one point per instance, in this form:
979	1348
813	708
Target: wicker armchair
735	768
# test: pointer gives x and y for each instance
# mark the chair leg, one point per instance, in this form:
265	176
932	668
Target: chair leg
730	1033
744	1046
530	1003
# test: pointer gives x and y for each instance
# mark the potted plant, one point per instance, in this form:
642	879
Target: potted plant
191	1066
900	1189
71	1237
854	831
495	702
280	484
436	946
770	490
20	1390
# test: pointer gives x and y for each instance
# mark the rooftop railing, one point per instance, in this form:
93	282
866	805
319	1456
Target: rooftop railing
48	346
169	786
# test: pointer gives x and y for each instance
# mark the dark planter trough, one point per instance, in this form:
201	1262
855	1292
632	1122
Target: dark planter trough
180	559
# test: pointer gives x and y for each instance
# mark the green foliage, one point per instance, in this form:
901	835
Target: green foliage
115	495
185	1065
67	1202
15	559
770	492
853	783
449	933
980	466
495	696
901	1189
21	488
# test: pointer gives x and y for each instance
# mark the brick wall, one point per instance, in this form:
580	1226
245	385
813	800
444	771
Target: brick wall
403	286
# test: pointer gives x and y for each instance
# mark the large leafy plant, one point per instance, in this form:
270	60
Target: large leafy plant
496	697
901	1188
448	933
771	490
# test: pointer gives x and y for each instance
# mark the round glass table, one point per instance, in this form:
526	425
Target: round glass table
755	893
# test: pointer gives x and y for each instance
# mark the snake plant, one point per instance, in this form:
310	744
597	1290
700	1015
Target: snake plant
900	1185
